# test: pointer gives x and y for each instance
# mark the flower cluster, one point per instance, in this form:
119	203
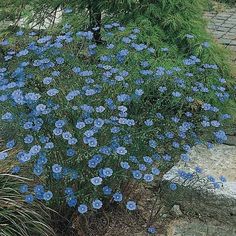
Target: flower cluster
87	118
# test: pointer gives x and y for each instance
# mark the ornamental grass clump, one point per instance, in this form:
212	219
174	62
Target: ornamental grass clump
88	118
16	216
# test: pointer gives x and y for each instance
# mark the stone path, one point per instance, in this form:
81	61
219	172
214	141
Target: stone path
223	27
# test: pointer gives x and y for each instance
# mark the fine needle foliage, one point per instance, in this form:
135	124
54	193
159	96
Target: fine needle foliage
171	20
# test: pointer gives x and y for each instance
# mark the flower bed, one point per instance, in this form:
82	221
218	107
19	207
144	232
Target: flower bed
87	119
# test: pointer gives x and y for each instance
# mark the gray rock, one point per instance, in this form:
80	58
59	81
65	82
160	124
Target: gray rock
197	196
175	211
195	227
225	41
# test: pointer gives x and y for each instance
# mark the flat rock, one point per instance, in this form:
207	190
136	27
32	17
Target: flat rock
195	227
198	196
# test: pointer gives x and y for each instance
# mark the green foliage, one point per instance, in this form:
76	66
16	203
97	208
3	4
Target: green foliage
228	2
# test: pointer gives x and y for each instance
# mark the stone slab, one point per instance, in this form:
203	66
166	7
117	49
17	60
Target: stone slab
225	41
199	197
223	29
233	48
195	227
233	42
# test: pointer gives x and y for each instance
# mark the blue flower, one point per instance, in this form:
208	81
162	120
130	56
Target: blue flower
185	157
29	198
89	133
166	157
142	167
151	230
115	130
131	205
56	168
80	125
3	155
71	201
47	80
155	171
107	190
215	123
189	36
38	189
137	174
55	73
159	116
70	152
4	42
41	107
66	135
164	49
76	70
148	122
52	92
47	195
57	131
121	150
139	92
44	39
117	197
211	178
7	116
173	186
60	60
97	204
38	170
176	94
35	149
15	170
49	145
216	185
223	179
198	169
125	165
92	142
92	163
206	106
99	122
100	109
220	136
96	181
107	172
85	73
82	208
69	191
19	33
206	44
175	144
148	177
148	159
67	10
23	188
152	143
